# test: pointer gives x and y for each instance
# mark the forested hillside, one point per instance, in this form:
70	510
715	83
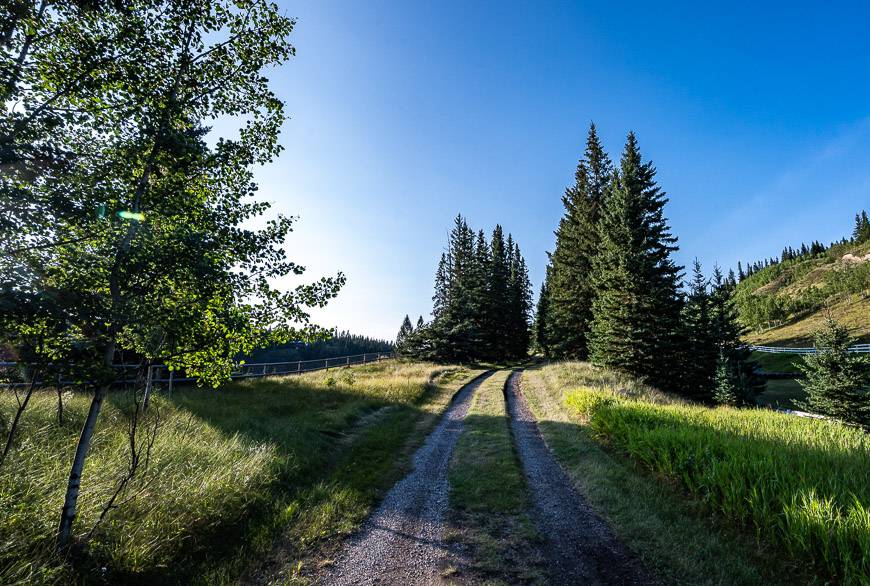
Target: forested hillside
784	300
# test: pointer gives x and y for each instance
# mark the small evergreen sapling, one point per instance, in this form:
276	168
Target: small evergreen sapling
837	381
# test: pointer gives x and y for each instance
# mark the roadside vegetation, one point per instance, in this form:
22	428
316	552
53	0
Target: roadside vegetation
489	500
301	459
682	537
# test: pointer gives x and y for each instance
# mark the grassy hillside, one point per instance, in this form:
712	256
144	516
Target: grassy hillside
784	304
296	458
761	494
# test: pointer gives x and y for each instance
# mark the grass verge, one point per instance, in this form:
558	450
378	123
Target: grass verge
803	484
679	537
489	500
303	457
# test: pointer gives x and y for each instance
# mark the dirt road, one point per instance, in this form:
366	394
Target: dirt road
580	547
402	541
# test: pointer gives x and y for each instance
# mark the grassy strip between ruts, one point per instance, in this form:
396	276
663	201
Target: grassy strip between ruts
304	457
679	537
489	500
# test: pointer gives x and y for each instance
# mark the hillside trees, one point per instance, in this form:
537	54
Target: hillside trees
861	233
482	301
569	286
132	223
636	311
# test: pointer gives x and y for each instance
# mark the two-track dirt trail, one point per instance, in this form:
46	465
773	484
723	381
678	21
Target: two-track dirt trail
580	547
402	541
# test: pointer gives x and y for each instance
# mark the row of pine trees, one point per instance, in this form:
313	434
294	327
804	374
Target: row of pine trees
482	302
612	292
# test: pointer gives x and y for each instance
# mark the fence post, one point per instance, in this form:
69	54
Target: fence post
171	375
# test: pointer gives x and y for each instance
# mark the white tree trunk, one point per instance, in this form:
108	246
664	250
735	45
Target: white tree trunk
68	514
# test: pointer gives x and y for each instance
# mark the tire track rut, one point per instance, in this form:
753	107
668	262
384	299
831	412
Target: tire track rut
402	541
580	547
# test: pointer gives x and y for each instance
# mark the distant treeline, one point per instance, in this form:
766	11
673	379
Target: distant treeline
340	344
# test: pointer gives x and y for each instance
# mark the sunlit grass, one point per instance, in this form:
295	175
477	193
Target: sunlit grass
803	484
304	456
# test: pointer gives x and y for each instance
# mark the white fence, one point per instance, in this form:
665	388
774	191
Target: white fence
782	350
160	373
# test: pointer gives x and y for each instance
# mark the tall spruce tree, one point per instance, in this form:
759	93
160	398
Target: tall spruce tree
571	291
498	294
636	313
404	331
520	305
700	360
542	318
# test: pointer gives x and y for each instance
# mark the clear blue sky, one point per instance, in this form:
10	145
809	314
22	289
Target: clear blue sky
757	116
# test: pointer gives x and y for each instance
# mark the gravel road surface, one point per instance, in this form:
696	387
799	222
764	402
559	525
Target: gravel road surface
401	542
580	547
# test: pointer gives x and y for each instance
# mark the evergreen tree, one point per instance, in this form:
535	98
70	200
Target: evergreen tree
864	235
520	305
481	303
699	364
636	313
733	355
725	390
404	331
542	316
498	296
420	323
837	381
571	290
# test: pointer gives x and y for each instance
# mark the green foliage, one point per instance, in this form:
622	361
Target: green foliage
837	382
636	311
569	286
131	237
800	483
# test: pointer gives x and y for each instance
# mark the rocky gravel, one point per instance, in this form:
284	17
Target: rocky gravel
580	547
402	541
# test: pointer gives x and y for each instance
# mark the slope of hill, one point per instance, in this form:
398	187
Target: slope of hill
785	303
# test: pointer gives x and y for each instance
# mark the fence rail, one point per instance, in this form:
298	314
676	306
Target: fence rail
863	348
160	373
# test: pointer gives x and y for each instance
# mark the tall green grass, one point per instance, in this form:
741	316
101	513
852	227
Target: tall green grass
304	456
802	484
